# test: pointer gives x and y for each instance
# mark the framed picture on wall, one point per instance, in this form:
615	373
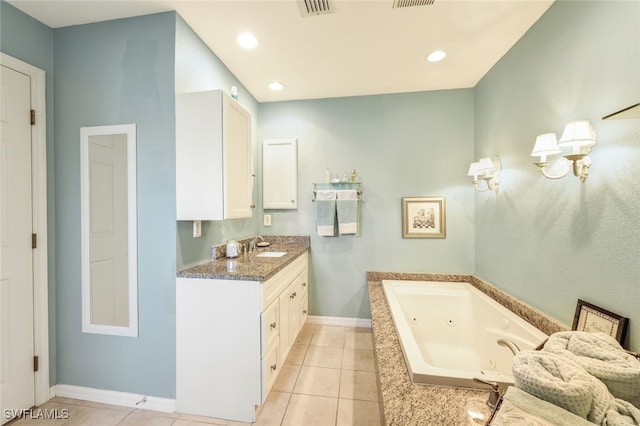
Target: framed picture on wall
423	217
592	318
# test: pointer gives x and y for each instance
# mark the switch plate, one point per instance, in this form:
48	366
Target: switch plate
197	229
267	220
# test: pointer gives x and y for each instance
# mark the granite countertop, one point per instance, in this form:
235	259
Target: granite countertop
404	403
248	266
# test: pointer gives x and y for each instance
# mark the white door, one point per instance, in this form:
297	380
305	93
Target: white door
17	378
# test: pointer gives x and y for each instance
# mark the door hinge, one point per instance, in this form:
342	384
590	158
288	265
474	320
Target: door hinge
33	117
35	363
34	241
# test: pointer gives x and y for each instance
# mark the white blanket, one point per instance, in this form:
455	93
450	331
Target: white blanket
562	382
601	356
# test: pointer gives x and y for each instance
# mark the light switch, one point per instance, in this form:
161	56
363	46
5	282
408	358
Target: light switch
267	220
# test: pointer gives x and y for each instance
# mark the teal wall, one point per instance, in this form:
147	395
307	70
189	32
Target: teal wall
30	41
199	69
401	145
550	242
107	73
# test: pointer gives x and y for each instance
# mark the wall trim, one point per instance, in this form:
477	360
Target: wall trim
340	321
39	207
123	399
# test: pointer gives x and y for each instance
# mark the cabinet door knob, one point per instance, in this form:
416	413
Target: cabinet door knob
253	206
304	312
273	325
293	201
304	284
293	295
273	367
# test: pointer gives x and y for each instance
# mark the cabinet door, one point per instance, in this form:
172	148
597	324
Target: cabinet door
238	168
285	305
280	174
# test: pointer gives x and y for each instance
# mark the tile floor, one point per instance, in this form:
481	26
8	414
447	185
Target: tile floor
328	379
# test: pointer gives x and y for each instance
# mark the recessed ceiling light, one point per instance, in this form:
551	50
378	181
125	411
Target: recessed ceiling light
276	85
247	40
436	55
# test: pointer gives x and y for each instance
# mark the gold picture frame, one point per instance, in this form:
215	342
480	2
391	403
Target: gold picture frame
591	318
424	217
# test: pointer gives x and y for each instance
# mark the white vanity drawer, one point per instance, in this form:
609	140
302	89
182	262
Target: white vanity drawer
270	320
270	369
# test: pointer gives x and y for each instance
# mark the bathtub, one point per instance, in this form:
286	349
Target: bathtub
448	332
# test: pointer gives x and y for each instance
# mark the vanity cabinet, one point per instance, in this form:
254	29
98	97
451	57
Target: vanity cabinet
214	171
232	338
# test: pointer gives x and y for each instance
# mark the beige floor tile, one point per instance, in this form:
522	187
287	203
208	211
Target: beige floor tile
310	410
273	410
296	354
48	414
152	413
358	359
323	356
358	340
286	380
97	417
335	340
332	329
358	413
232	423
137	419
202	419
102	406
318	381
358	385
305	336
70	401
183	422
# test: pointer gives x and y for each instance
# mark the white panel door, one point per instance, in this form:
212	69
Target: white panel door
17	378
108	255
238	175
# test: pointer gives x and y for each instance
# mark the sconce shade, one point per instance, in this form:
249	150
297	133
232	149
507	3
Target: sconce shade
577	135
546	144
474	170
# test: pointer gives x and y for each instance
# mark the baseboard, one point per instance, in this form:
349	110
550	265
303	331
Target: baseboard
124	399
340	321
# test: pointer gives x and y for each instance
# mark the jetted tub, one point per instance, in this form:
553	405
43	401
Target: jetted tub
449	331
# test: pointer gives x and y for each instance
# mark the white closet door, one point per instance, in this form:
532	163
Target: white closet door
280	174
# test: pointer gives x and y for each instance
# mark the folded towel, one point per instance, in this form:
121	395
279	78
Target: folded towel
325	212
347	206
562	382
520	408
601	356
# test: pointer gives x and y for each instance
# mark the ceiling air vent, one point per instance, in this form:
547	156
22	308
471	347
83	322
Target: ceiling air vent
409	3
315	7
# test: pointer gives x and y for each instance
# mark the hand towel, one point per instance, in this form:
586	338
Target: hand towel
601	356
347	206
325	212
562	382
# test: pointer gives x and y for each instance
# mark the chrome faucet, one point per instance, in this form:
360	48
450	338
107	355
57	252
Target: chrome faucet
510	344
252	244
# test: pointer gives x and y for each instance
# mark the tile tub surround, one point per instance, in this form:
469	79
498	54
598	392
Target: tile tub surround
247	266
405	403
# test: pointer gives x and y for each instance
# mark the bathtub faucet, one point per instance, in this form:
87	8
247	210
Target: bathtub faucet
510	344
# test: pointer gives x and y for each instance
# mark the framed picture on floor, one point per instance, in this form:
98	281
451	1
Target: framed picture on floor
423	217
592	318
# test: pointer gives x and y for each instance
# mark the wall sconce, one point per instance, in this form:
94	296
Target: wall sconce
487	169
580	136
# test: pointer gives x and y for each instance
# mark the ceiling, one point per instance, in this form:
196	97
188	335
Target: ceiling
363	47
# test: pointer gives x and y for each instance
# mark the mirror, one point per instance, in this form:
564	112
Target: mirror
109	230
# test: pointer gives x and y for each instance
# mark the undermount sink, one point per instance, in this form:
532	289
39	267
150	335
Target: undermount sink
271	254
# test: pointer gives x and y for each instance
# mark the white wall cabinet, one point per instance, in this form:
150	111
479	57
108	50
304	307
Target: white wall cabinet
232	339
280	173
214	171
